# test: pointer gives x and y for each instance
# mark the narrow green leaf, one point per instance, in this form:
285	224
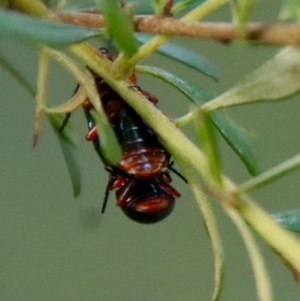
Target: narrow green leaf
158	6
82	6
142	7
278	78
40	97
181	5
239	139
56	4
203	127
145	7
289	219
41	31
184	56
72	104
66	142
210	225
242	143
241	10
282	242
262	278
109	145
271	175
120	27
67	145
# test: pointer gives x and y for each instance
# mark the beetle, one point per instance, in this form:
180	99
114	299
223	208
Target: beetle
141	177
143	199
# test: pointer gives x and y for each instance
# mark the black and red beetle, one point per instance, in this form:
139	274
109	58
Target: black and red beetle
141	177
142	186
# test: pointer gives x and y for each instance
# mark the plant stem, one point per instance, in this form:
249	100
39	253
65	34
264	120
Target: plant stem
203	9
263	284
271	33
42	79
36	8
284	242
84	79
204	130
187	118
41	93
210	224
199	12
271	175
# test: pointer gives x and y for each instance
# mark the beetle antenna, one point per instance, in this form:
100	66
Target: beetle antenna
176	172
105	200
108	187
68	115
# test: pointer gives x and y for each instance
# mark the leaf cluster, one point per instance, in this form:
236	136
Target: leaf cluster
275	80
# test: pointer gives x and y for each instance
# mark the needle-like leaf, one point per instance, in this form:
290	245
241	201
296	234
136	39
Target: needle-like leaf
42	31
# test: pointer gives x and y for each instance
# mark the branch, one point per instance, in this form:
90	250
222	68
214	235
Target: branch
276	33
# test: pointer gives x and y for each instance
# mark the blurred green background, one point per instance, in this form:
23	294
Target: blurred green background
55	247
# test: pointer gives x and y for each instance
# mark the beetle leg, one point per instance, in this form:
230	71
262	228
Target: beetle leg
109	184
124	193
64	123
169	189
176	172
150	96
92	134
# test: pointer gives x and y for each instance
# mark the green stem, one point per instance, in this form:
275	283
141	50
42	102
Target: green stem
199	12
70	105
187	118
203	9
284	242
36	8
211	226
41	92
271	175
263	284
42	79
145	50
204	130
84	79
